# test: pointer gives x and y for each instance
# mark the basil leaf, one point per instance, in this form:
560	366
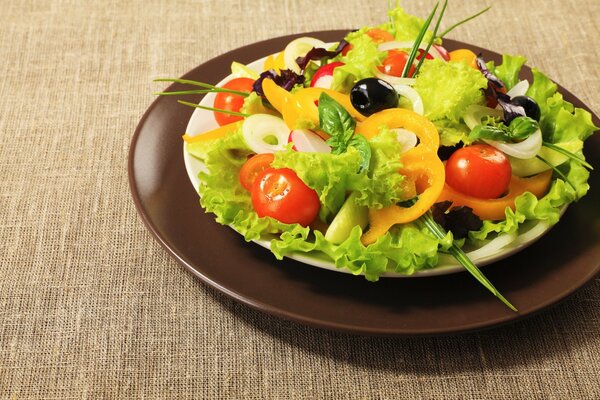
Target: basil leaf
359	142
519	128
337	122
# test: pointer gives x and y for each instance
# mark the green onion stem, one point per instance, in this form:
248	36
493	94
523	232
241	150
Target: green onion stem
558	172
415	49
567	153
463	21
203	91
463	259
212	109
201	84
437	26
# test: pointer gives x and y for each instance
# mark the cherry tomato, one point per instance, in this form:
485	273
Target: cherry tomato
380	35
325	70
280	194
231	102
480	171
253	167
394	63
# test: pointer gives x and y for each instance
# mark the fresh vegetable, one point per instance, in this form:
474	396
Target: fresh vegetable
230	101
308	141
323	78
394	64
254	167
280	194
465	56
265	133
480	171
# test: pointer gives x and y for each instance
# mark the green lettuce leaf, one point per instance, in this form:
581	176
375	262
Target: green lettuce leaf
448	88
359	61
508	71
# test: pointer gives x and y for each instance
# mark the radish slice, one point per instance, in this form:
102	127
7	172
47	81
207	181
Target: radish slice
324	82
298	48
308	142
407	139
412	95
393	80
519	89
385	46
528	148
258	127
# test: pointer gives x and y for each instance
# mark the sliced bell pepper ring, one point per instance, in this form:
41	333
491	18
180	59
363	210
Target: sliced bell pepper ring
214	134
420	165
495	209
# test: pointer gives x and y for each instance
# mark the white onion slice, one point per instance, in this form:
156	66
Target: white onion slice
528	148
537	230
494	246
385	46
298	48
519	89
256	128
393	80
407	139
412	95
475	113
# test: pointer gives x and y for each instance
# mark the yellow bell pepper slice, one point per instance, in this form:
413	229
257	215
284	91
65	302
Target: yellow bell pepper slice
495	209
213	134
303	109
274	62
421	165
276	95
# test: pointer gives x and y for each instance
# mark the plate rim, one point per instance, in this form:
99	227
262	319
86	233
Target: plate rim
312	321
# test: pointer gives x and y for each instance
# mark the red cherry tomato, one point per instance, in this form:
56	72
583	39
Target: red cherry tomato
380	35
394	63
253	167
480	171
325	70
231	102
280	194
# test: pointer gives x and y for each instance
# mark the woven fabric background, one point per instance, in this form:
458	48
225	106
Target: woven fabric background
92	307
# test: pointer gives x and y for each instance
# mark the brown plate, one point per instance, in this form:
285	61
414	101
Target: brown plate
558	264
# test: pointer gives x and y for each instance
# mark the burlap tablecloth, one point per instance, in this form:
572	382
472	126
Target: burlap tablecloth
92	307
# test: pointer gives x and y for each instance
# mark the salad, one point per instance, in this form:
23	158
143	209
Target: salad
385	152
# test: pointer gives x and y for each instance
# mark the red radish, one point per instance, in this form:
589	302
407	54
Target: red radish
324	75
308	141
443	52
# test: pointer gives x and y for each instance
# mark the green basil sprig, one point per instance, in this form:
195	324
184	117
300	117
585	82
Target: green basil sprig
339	124
519	129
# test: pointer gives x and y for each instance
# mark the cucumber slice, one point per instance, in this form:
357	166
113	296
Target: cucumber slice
532	166
347	218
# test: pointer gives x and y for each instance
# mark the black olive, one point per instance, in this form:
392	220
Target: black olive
532	110
371	95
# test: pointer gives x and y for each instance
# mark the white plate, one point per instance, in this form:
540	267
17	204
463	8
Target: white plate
529	232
